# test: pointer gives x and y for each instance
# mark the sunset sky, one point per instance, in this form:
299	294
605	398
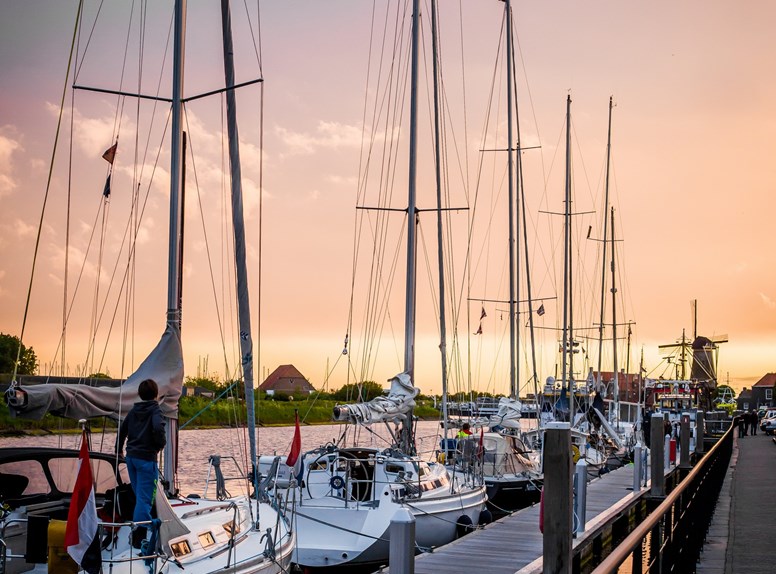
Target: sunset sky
693	177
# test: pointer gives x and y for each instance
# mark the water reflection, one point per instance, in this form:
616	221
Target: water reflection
196	446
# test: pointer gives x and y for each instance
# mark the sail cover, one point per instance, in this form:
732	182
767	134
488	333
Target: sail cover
508	414
400	401
164	365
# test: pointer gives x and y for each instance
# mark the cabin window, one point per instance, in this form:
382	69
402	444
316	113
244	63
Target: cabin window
768	394
320	464
393	468
180	548
231	528
64	472
206	539
33	479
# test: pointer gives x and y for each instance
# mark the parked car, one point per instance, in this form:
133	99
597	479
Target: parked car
768	426
768	417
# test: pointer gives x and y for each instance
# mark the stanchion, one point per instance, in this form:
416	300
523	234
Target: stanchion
556	542
684	442
580	500
401	557
700	432
657	457
637	468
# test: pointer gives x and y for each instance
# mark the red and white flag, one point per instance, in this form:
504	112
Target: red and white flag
82	537
294	459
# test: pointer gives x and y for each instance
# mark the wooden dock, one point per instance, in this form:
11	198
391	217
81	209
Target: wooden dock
514	543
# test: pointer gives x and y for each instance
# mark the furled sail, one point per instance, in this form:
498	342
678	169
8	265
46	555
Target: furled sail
507	416
400	400
164	365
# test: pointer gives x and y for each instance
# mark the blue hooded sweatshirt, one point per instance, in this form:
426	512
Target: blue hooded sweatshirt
143	430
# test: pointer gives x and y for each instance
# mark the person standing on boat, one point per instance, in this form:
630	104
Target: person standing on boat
143	431
465	431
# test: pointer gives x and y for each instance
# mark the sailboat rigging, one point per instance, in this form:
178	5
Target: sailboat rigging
235	534
340	487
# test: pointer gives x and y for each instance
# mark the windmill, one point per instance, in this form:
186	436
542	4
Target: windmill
704	352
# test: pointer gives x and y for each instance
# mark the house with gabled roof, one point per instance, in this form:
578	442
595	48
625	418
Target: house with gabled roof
762	391
286	379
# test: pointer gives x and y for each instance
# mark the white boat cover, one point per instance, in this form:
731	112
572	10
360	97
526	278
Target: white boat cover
164	365
400	400
508	415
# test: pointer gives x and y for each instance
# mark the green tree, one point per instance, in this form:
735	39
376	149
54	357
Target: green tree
365	391
9	347
212	383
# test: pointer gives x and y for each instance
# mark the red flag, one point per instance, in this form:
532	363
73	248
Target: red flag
110	153
293	459
82	540
481	445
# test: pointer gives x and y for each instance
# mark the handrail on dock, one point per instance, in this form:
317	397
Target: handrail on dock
670	524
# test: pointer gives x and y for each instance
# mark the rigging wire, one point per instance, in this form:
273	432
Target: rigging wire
46	195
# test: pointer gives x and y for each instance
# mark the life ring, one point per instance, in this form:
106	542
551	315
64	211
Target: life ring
337	482
575	455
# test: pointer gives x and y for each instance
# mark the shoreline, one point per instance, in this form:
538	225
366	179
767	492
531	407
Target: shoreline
11	433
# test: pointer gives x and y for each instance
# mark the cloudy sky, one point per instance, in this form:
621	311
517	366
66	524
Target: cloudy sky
692	178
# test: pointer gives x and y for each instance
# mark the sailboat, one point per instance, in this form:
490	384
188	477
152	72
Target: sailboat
197	535
510	469
346	496
568	399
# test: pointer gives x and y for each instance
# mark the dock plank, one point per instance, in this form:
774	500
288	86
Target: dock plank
514	542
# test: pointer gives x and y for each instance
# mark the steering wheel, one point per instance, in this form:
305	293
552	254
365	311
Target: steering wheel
350	457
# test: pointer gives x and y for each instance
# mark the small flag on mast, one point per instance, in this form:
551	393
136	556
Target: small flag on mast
479	330
540	310
106	189
110	153
483	314
82	540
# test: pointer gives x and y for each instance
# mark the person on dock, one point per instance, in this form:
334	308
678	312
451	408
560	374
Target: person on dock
742	423
143	430
753	418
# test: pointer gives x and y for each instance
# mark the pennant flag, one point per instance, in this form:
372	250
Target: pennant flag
82	540
106	189
483	314
110	153
540	310
294	459
479	330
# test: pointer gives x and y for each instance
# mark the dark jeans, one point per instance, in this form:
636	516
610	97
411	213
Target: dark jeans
143	475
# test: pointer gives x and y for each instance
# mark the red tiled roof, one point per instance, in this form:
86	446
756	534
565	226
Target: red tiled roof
768	380
286	378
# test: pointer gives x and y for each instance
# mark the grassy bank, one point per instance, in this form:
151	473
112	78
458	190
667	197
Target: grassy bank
200	412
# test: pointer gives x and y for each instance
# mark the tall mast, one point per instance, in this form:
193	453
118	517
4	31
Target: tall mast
412	221
603	256
567	332
616	384
238	224
437	146
513	386
176	213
